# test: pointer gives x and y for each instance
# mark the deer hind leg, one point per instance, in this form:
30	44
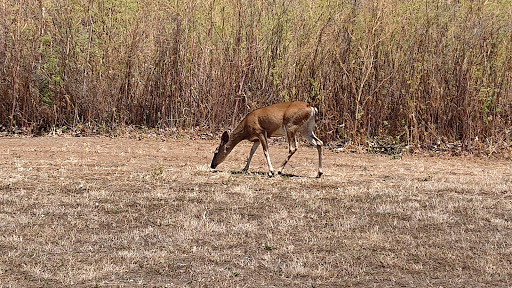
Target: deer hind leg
253	149
264	144
292	148
313	140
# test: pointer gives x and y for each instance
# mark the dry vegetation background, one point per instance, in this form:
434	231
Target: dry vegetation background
407	71
102	212
148	211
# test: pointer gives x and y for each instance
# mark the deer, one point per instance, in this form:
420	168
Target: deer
277	120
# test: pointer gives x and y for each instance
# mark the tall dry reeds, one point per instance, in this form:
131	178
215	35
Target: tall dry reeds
417	71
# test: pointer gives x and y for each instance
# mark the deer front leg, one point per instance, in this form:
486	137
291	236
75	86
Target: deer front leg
253	149
264	144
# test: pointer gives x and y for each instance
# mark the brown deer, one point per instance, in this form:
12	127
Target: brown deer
282	119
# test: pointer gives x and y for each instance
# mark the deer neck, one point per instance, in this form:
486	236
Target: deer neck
237	136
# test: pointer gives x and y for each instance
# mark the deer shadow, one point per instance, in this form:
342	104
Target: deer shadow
261	173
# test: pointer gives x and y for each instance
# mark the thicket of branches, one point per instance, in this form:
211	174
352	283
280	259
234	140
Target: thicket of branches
418	71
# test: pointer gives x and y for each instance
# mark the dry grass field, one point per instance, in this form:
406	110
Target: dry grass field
149	212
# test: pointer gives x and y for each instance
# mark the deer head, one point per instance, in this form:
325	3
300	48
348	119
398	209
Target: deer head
222	151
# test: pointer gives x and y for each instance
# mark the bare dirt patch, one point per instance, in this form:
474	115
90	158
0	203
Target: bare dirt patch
126	212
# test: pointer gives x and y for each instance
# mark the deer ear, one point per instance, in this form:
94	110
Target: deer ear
225	137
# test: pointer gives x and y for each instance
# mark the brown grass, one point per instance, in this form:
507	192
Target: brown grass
89	212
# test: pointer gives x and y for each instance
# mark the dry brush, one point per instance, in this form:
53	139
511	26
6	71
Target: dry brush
416	71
